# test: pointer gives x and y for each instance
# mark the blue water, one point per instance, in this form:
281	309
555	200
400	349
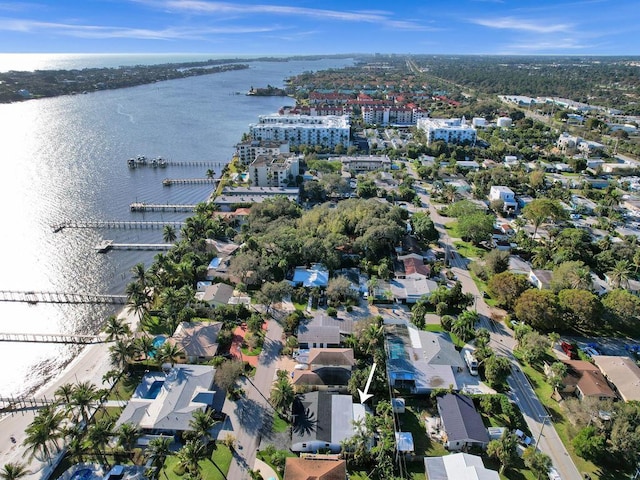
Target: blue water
154	389
82	474
157	343
65	158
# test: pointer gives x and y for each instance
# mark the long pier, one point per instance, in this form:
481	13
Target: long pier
106	245
161	162
113	224
161	207
167	182
11	404
59	297
51	338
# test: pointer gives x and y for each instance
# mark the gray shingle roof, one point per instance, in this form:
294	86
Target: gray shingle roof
460	419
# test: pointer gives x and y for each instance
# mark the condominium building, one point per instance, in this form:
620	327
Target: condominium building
365	163
327	131
449	130
249	150
274	171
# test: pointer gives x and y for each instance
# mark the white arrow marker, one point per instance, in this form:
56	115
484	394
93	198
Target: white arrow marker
364	396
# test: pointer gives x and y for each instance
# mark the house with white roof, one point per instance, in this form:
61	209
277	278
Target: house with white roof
164	403
459	466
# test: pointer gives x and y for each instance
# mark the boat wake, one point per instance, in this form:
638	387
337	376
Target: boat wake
121	111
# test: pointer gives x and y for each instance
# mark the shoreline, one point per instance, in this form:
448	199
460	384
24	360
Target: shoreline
89	365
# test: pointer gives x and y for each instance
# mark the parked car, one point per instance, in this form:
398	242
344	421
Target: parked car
570	350
553	474
590	351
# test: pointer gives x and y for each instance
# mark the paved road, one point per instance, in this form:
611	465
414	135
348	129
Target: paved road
502	342
253	411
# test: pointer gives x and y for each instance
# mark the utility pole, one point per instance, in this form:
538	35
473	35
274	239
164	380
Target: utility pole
544	421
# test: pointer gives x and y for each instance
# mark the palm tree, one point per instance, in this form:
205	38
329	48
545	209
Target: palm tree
169	234
169	352
140	274
143	345
120	353
14	471
116	328
210	173
201	423
63	395
98	437
84	394
128	434
138	298
158	451
619	275
111	377
504	450
282	395
189	457
44	432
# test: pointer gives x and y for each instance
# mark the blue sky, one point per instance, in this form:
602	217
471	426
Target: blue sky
522	27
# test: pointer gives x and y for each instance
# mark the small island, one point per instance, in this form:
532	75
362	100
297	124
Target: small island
19	86
268	91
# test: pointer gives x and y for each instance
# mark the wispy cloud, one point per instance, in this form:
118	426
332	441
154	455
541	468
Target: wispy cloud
512	23
558	46
203	7
103	32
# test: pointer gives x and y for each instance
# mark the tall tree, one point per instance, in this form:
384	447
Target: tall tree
619	275
43	432
201	424
542	210
536	461
504	450
116	328
83	397
190	455
169	234
282	395
539	308
128	435
158	451
14	471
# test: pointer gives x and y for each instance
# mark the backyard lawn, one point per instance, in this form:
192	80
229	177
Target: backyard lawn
221	457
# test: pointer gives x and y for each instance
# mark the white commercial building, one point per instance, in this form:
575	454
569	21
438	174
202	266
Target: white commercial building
449	130
274	171
327	131
249	150
365	163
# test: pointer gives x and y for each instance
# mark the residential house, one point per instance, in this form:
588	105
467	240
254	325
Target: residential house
458	466
322	421
216	295
420	361
329	369
316	276
326	468
198	341
461	422
541	279
584	380
411	280
318	336
164	403
623	373
506	195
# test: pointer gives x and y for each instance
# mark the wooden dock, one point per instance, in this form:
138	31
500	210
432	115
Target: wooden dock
167	182
161	207
106	245
12	404
59	297
114	224
51	338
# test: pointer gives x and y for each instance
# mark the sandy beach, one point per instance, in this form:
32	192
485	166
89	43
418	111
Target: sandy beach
92	363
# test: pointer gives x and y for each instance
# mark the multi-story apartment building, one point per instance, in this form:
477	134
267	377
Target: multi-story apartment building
327	131
449	130
248	151
274	171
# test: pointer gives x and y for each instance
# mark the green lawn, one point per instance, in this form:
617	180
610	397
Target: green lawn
432	327
468	250
566	430
279	425
267	457
251	352
221	456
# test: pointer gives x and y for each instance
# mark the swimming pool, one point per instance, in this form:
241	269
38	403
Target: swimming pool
154	389
156	344
82	474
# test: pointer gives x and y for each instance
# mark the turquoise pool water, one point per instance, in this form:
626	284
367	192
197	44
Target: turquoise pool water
157	343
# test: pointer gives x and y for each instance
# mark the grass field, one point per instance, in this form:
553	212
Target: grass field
221	457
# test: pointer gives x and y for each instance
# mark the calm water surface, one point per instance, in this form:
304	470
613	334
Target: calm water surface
65	159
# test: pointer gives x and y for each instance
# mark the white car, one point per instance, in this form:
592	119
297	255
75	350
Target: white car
553	474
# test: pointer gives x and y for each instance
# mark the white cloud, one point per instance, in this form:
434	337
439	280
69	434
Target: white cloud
205	7
94	31
512	23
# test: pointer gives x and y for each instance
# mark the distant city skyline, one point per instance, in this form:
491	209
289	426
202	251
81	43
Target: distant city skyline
291	27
